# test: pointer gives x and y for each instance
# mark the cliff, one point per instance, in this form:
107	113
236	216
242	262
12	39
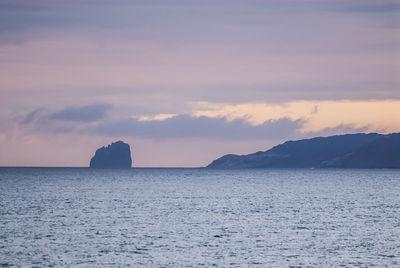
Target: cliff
115	155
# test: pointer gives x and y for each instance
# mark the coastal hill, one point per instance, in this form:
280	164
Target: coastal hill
342	151
115	155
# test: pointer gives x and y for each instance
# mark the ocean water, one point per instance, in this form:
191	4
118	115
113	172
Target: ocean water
78	217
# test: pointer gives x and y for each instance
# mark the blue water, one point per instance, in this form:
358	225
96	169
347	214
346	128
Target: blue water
197	217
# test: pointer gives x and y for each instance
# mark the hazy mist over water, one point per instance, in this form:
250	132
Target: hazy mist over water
198	217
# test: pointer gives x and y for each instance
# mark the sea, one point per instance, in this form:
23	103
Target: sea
149	217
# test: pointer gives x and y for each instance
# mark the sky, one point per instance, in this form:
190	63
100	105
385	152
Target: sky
185	82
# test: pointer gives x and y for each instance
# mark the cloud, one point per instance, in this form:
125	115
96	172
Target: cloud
155	117
377	115
92	120
338	130
32	116
190	52
89	113
184	126
246	121
71	119
375	7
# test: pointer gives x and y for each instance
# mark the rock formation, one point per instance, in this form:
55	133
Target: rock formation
115	155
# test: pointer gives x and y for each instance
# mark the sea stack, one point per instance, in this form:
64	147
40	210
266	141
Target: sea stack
115	155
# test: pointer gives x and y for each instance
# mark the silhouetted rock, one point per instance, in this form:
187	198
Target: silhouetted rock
342	151
116	155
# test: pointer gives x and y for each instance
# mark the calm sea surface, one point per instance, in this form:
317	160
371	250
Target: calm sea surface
197	217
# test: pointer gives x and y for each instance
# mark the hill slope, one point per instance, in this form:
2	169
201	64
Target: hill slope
344	151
